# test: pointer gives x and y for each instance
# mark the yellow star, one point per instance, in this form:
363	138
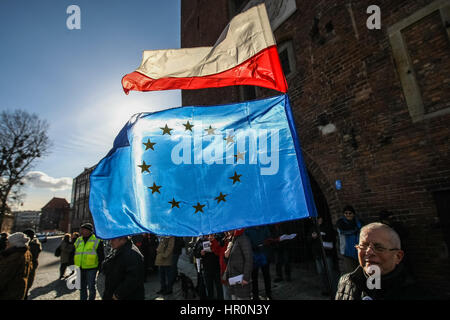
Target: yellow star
210	130
198	207
155	188
144	167
239	156
166	129
221	197
236	177
188	126
229	139
149	145
174	203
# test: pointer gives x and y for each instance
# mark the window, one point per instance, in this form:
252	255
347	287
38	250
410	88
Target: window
287	58
421	50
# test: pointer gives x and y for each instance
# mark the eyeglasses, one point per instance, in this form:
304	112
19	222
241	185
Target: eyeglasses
375	247
348	213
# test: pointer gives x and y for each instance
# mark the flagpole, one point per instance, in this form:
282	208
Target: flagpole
324	258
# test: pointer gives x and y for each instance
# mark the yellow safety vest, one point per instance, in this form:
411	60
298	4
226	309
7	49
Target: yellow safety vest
86	253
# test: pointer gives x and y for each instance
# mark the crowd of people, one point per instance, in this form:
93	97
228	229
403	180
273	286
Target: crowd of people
228	264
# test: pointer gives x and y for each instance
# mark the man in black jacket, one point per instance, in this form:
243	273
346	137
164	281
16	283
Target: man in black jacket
210	268
379	276
124	271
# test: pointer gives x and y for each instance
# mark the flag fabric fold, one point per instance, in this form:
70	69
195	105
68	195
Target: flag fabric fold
244	54
191	171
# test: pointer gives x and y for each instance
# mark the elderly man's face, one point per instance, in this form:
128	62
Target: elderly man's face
378	243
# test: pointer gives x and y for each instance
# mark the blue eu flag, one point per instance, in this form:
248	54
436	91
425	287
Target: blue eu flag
197	170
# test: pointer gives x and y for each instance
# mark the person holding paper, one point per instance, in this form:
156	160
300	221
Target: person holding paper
284	250
240	262
211	267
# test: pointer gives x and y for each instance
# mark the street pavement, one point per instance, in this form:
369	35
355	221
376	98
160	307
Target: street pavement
305	283
47	285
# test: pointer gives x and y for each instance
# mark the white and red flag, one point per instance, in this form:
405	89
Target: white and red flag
244	54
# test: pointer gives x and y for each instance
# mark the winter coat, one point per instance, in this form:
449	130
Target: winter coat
35	249
396	285
164	251
179	245
124	273
210	260
348	231
15	267
67	249
240	261
328	236
258	236
219	250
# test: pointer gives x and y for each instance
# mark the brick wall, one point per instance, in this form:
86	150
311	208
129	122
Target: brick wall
347	75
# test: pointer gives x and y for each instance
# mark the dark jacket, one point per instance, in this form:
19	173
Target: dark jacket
210	261
258	238
35	249
15	267
178	246
328	237
67	249
124	273
397	285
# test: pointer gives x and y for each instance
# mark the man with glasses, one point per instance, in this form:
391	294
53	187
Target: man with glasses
379	255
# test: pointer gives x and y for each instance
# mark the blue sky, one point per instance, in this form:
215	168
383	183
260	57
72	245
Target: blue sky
72	78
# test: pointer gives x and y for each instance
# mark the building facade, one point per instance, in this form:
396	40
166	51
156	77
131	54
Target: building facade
55	215
371	106
26	220
79	209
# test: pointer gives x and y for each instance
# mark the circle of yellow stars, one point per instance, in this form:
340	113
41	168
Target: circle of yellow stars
188	127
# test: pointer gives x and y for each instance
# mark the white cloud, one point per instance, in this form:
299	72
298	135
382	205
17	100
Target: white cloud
41	180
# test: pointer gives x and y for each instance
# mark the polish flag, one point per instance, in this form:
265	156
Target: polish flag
244	54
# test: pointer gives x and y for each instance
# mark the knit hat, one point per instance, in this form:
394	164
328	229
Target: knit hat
18	239
88	226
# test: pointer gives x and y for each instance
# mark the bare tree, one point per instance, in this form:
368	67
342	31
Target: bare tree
23	138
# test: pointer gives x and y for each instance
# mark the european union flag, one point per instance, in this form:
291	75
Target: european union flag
197	170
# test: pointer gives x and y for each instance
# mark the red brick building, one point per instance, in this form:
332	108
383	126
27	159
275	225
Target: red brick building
55	215
372	107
